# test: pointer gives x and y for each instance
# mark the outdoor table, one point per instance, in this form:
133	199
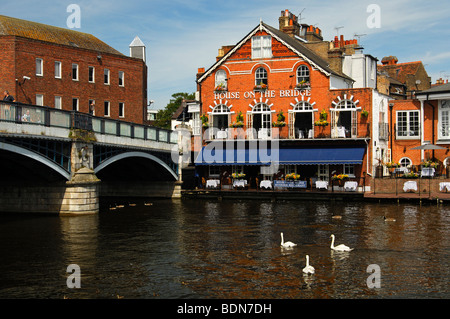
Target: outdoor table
341	131
212	183
322	184
222	134
410	186
266	184
350	186
239	183
444	186
427	172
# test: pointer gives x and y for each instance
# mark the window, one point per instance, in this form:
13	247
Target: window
349	169
121	109
106	76
74	104
39	67
121	78
408	124
106	111
261	77
40	99
57	69
74	72
261	47
303	74
405	162
221	80
91	74
444	120
214	171
58	102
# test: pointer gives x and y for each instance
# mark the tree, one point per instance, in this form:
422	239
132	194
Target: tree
164	117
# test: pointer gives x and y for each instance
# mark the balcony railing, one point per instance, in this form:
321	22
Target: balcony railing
50	117
361	130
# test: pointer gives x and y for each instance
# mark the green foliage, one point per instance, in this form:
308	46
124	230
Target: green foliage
164	117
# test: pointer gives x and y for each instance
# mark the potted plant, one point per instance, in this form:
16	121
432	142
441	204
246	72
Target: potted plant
204	120
238	175
292	177
220	87
365	113
260	87
239	121
280	120
303	84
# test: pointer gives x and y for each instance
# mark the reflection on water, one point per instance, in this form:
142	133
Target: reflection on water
229	249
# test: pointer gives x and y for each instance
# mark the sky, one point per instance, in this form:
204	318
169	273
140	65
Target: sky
184	35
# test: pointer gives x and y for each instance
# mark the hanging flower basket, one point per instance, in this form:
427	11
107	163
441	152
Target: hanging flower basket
292	177
238	175
260	87
220	88
365	113
204	120
322	123
339	177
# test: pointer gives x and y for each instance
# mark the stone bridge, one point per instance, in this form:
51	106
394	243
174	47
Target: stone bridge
55	161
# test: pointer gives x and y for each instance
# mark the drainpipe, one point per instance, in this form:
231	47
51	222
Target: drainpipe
421	130
391	106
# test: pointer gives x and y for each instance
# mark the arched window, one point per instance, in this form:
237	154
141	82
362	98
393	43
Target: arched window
303	106
405	162
346	105
221	108
221	80
260	77
302	74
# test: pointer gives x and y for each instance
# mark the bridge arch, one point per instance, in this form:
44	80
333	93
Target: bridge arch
35	156
125	155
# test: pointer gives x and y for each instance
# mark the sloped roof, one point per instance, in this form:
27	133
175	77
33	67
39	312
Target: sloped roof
444	88
295	45
47	33
400	71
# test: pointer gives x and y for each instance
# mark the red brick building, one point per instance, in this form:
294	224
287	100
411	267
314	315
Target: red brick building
67	69
272	86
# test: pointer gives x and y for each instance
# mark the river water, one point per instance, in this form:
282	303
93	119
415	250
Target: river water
229	249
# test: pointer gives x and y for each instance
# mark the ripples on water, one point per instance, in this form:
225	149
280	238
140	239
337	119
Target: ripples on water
228	249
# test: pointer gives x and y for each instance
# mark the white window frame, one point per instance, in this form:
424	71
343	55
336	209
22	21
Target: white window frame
261	76
93	74
58	69
77	73
39	67
405	162
261	47
40	99
348	169
221	78
409	134
215	171
106	76
444	120
122	78
121	109
107	108
303	74
58	102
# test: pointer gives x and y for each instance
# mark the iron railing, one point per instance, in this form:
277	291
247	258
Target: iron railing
41	115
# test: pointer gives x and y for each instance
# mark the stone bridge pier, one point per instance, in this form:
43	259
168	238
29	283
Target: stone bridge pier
81	195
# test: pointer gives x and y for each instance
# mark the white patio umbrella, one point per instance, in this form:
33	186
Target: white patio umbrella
429	147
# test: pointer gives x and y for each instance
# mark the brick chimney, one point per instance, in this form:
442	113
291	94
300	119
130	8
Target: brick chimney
289	23
389	60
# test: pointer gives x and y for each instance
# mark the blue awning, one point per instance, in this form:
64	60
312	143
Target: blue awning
294	156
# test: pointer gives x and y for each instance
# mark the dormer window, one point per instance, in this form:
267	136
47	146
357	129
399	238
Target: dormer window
261	47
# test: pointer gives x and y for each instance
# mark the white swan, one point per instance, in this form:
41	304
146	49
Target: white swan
340	247
308	268
287	244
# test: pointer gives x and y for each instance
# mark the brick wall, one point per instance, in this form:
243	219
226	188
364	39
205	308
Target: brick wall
132	94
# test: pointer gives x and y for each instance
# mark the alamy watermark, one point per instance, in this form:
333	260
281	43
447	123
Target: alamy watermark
374	19
74	19
74	279
374	280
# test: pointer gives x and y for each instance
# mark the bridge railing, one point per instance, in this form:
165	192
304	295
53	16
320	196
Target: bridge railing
41	115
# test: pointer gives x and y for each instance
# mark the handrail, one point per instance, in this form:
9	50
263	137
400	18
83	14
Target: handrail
20	113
